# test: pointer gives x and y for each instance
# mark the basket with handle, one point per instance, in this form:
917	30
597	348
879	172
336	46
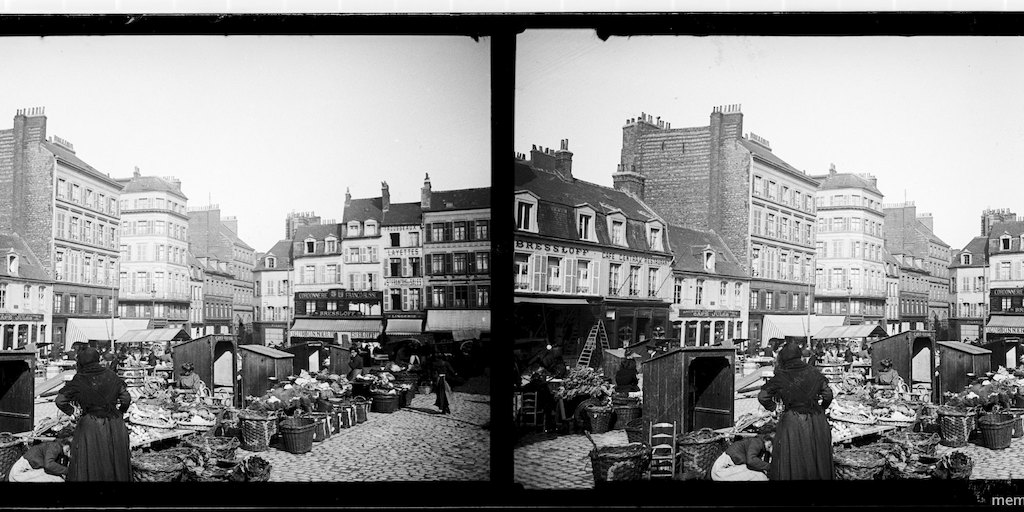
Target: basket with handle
699	449
623	414
618	463
858	464
955	426
11	449
362	406
635	431
996	430
297	433
257	429
600	417
323	430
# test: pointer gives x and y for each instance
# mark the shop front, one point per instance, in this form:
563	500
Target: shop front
703	327
557	321
18	330
326	316
631	322
1002	327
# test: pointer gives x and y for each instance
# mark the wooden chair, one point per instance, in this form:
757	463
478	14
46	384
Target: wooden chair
664	450
530	413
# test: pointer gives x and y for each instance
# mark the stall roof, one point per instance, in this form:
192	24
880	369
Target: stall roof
781	326
267	351
965	347
404	326
1003	324
152	335
660	355
851	331
81	330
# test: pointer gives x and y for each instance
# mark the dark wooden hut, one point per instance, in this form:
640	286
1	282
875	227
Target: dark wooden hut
259	364
1005	353
913	357
956	360
17	390
694	386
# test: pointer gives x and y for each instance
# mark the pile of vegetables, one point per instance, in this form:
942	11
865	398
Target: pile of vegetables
997	392
585	382
302	392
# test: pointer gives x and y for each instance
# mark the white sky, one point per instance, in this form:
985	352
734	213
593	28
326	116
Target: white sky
938	118
264	125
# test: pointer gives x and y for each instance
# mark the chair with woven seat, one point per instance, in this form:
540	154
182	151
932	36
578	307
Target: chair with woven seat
664	452
530	413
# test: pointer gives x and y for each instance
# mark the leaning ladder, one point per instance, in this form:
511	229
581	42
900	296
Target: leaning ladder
596	333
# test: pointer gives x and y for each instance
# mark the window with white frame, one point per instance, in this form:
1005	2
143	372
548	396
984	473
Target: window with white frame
677	291
654	231
522	271
353	229
271	262
586	277
331	244
634	281
709	259
585	223
652	282
370	228
310	245
700	293
737	295
1004	242
526	212
614	278
555	274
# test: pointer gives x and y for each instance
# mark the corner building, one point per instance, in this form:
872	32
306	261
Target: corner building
715	178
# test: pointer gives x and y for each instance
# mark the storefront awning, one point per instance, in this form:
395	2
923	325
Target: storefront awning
851	331
553	301
463	322
153	336
83	330
1003	324
782	326
402	326
317	328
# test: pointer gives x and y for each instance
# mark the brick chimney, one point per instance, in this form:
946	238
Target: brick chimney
137	173
17	210
630	182
425	193
927	220
563	161
385	197
542	158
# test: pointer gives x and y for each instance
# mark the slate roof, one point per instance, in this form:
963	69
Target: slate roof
363	210
233	237
1013	228
149	184
845	180
403	214
461	199
929	233
687	246
70	158
977	248
319	233
558	200
282	250
29	266
762	153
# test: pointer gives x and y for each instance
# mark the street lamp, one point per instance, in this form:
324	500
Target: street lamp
849	302
152	316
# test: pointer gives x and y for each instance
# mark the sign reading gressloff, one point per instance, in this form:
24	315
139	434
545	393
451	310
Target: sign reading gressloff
20	317
552	248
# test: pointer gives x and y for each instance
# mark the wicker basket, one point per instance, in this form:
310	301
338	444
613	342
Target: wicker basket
600	418
956	427
297	434
257	430
909	471
1018	422
623	414
213	447
386	404
156	467
11	449
323	426
619	463
699	456
635	431
858	464
955	465
915	442
996	430
362	406
347	416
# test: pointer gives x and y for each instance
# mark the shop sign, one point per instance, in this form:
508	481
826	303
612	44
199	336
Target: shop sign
552	248
20	317
406	316
355	295
406	251
403	282
333	314
1017	309
1005	330
310	295
708	313
633	258
1004	292
312	334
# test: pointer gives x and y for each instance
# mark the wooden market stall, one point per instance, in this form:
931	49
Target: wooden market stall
309	355
913	357
259	364
1005	353
956	360
215	360
860	334
340	357
691	385
17	386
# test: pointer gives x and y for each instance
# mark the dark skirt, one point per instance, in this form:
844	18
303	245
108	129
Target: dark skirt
100	451
443	391
802	447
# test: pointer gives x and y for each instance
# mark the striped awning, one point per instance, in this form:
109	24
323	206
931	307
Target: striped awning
401	326
465	322
84	330
153	335
783	326
851	331
317	328
1004	324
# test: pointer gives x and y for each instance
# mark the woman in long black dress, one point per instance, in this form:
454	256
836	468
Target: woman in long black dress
100	449
442	371
803	440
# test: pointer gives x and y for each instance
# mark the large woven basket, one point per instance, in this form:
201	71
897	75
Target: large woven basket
600	418
996	430
257	429
386	404
623	414
1018	422
619	463
323	427
156	467
699	455
297	434
916	442
908	471
11	449
956	427
362	406
635	431
213	447
858	464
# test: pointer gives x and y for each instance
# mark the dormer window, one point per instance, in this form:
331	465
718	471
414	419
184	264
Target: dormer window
353	229
12	265
1004	242
271	262
654	236
526	212
709	259
585	223
331	244
371	228
965	259
310	245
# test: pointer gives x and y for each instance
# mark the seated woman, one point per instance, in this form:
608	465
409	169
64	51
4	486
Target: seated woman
745	460
626	380
189	381
887	376
44	462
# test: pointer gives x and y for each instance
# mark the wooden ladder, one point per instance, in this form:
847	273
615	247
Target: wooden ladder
596	333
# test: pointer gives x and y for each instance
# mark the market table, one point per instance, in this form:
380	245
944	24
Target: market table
175	433
878	429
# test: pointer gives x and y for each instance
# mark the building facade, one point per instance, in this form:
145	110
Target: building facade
716	178
457	255
294	220
404	280
850	271
1006	281
912	234
154	277
914	285
273	275
584	254
215	237
196	306
892	293
218	297
26	297
67	213
967	282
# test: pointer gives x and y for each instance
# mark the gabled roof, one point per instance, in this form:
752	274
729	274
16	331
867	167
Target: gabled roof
29	266
403	214
232	237
766	155
318	232
461	199
687	247
921	227
977	249
70	158
1012	228
149	184
964	347
362	210
845	180
282	250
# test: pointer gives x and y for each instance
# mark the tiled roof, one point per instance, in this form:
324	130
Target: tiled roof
233	237
558	201
760	152
1013	228
318	233
688	245
462	199
149	184
29	266
282	250
71	158
363	210
845	180
403	214
977	249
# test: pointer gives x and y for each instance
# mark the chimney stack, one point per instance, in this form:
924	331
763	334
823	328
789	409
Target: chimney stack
425	193
137	173
563	161
348	197
385	196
